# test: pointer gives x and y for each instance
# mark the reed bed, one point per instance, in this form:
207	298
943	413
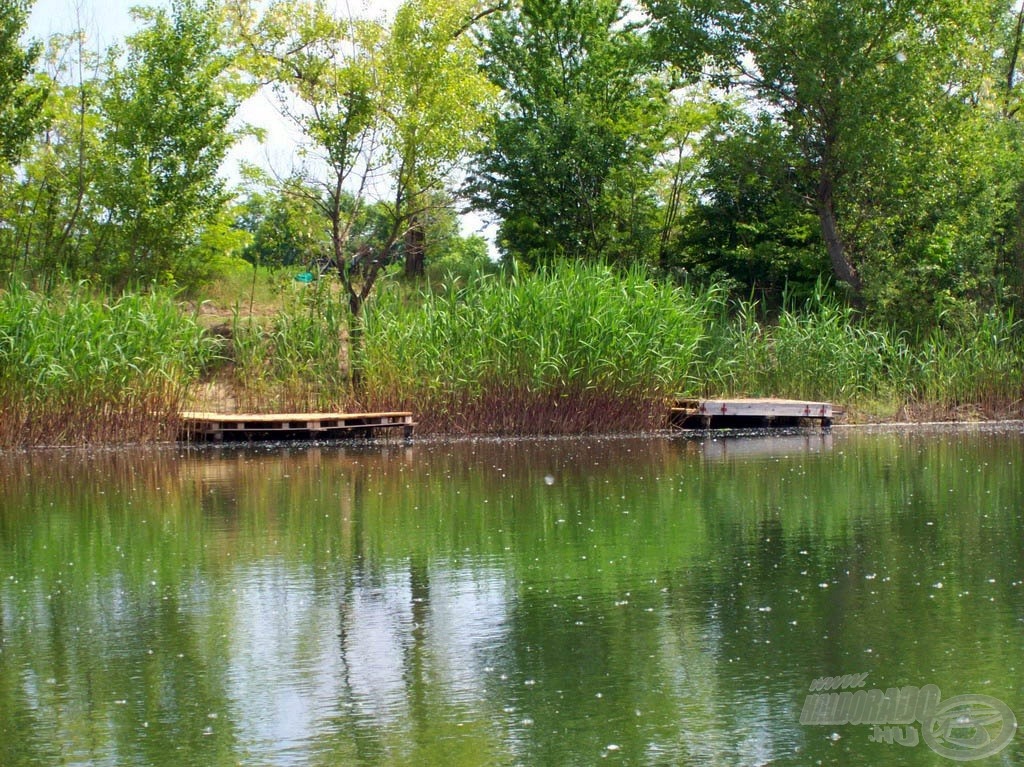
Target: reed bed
819	350
823	350
585	349
76	368
568	349
296	359
565	350
974	365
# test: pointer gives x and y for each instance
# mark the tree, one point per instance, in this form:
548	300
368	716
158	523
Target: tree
435	101
47	204
386	114
21	101
119	182
21	104
568	169
866	92
167	112
746	220
1009	89
286	227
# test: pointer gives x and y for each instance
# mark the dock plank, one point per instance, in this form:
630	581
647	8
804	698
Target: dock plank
710	413
200	426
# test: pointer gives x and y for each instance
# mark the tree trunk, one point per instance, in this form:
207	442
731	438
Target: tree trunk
415	249
842	268
1009	109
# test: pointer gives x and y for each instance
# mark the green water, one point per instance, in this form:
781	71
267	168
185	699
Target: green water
571	602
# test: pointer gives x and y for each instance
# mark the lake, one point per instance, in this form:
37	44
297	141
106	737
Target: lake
642	601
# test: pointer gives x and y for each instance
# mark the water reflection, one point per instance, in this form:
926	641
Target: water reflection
560	602
743	446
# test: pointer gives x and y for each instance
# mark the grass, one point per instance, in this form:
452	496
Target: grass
76	368
569	349
822	350
819	350
566	349
293	360
977	364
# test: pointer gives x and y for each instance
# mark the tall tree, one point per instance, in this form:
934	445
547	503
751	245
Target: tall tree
866	91
21	103
49	206
385	112
1010	237
435	101
568	169
167	110
21	100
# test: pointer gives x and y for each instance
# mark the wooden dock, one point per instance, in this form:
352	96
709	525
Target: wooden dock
222	427
749	413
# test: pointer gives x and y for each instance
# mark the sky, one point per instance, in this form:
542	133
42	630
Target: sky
106	20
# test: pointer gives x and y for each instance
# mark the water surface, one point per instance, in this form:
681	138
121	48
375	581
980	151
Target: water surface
663	601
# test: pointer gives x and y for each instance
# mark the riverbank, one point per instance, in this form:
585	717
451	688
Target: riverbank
570	350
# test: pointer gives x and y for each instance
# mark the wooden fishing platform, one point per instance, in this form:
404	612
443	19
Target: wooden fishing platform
221	427
749	413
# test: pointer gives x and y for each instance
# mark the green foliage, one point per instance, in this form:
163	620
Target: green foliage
21	100
75	367
949	253
404	101
167	109
748	221
569	168
461	258
51	211
565	329
322	69
434	97
882	108
575	348
880	142
570	348
286	227
822	350
122	185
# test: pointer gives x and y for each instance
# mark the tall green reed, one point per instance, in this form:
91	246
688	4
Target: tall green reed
824	350
295	360
78	367
523	350
819	350
977	361
578	347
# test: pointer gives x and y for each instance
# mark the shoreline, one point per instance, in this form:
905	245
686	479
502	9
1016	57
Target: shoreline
442	438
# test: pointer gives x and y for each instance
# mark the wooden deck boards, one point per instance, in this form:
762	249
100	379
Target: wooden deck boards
219	427
741	412
685	414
